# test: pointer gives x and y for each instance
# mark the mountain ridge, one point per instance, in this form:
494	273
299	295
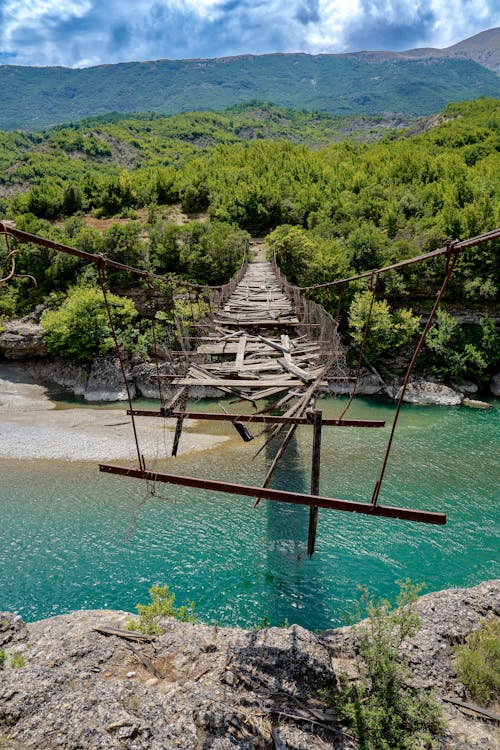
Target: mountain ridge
412	83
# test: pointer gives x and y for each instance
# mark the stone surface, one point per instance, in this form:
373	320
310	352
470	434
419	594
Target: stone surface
369	385
22	339
495	385
466	387
105	381
427	392
199	687
59	375
474	403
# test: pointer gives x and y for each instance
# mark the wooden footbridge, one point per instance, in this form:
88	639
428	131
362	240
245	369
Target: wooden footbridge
265	342
261	341
253	351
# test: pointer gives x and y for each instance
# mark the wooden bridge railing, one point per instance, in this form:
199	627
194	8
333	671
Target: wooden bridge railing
315	321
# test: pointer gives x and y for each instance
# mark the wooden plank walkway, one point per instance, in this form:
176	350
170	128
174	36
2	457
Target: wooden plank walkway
252	350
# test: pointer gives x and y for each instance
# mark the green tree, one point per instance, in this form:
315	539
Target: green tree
79	328
455	354
388	330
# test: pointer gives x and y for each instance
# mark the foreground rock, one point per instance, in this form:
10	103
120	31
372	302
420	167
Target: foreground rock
207	688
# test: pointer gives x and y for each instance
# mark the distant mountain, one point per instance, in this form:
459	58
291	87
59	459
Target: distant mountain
413	83
483	48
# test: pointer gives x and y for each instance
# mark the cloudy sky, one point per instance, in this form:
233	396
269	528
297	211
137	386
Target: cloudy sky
80	33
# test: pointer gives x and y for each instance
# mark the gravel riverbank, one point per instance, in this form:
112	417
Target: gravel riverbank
33	428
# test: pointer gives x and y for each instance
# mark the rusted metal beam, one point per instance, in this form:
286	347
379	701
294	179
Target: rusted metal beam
457	246
257	418
8	229
265	493
315	474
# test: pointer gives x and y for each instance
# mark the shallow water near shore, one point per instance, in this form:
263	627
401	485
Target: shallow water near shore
72	538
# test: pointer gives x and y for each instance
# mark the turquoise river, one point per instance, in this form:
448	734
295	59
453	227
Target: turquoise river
73	538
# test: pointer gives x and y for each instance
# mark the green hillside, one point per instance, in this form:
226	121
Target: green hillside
182	195
371	84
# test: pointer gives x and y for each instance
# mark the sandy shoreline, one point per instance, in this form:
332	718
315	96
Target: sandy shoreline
32	428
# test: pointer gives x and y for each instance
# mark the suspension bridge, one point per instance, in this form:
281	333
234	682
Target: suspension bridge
259	340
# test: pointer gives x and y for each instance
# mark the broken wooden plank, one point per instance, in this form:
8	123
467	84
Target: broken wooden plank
240	353
128	635
303	375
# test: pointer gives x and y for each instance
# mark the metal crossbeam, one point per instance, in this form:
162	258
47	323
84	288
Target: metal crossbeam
257	418
265	493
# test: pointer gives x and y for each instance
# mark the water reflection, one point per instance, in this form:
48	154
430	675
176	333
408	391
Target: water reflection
292	593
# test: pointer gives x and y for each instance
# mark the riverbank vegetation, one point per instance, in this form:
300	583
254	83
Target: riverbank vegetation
183	196
383	708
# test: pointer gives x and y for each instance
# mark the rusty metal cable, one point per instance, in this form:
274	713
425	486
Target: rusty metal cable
454	251
373	285
102	281
155	340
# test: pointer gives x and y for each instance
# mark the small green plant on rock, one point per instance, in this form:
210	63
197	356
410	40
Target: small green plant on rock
3	657
161	606
384	710
478	662
17	661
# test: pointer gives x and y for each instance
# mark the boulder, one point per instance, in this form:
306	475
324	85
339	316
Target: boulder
426	392
495	385
466	387
474	403
105	381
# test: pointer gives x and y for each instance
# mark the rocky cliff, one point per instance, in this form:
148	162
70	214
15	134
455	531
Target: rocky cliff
200	687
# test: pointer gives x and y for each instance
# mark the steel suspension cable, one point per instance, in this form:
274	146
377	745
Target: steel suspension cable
102	281
373	285
454	252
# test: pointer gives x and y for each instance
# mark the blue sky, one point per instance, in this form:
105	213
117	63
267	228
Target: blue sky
81	33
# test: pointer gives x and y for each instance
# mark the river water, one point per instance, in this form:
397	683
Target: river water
71	537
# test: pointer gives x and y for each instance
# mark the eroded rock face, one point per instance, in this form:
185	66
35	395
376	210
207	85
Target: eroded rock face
105	381
22	339
368	385
59	374
495	385
208	688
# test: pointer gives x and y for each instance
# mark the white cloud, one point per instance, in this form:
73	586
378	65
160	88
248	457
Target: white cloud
88	32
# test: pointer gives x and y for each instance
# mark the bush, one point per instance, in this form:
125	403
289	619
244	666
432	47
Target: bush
162	605
385	711
388	330
79	329
478	662
17	661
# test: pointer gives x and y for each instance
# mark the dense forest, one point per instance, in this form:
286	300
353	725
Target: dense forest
333	196
415	83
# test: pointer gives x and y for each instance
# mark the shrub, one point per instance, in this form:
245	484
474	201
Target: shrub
162	605
3	657
79	329
478	662
17	661
385	711
388	331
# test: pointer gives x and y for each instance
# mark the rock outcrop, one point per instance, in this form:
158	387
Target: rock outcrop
427	392
495	385
105	381
22	339
209	688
